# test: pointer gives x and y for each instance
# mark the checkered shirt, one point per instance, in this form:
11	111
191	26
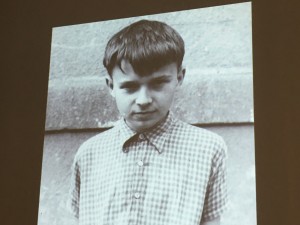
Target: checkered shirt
174	174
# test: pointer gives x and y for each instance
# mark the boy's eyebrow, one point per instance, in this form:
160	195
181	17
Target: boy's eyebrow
155	79
128	83
162	77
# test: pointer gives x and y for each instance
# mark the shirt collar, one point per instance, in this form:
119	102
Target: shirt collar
156	136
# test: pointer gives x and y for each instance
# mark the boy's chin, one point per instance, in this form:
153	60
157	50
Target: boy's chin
142	126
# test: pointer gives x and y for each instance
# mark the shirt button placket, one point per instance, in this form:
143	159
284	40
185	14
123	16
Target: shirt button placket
142	137
140	164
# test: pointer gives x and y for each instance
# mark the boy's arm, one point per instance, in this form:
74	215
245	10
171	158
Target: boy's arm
216	195
215	221
74	191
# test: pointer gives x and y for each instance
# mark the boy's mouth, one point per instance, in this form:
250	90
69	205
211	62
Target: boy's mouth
143	115
144	112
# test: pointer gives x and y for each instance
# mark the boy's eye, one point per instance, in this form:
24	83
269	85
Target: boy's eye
159	83
129	87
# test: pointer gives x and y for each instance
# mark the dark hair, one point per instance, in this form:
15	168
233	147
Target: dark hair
147	45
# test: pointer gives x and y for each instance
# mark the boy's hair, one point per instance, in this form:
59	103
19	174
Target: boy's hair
146	45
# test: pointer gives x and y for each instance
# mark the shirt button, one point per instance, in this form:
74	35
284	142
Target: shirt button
142	136
140	163
137	195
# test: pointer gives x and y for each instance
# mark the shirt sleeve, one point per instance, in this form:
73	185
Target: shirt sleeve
74	191
216	195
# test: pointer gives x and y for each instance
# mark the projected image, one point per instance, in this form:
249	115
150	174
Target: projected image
150	121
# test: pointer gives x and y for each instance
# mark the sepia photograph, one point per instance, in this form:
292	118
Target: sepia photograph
150	120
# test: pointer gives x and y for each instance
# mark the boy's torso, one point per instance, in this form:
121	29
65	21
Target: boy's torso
160	177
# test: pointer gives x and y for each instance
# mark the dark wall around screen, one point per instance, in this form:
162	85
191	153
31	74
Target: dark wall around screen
26	38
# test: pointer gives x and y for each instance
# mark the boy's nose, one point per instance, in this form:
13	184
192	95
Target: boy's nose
143	97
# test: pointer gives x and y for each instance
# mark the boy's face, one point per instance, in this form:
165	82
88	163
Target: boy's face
144	101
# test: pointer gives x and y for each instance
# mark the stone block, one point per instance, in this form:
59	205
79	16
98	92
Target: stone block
79	104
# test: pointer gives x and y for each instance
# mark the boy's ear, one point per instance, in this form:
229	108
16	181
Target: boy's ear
180	75
110	85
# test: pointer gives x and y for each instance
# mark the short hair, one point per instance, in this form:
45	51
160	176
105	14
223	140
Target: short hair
146	45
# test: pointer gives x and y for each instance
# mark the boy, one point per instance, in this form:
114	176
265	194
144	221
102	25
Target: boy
150	168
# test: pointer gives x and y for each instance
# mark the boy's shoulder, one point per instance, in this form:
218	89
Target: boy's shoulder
196	137
97	142
192	131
